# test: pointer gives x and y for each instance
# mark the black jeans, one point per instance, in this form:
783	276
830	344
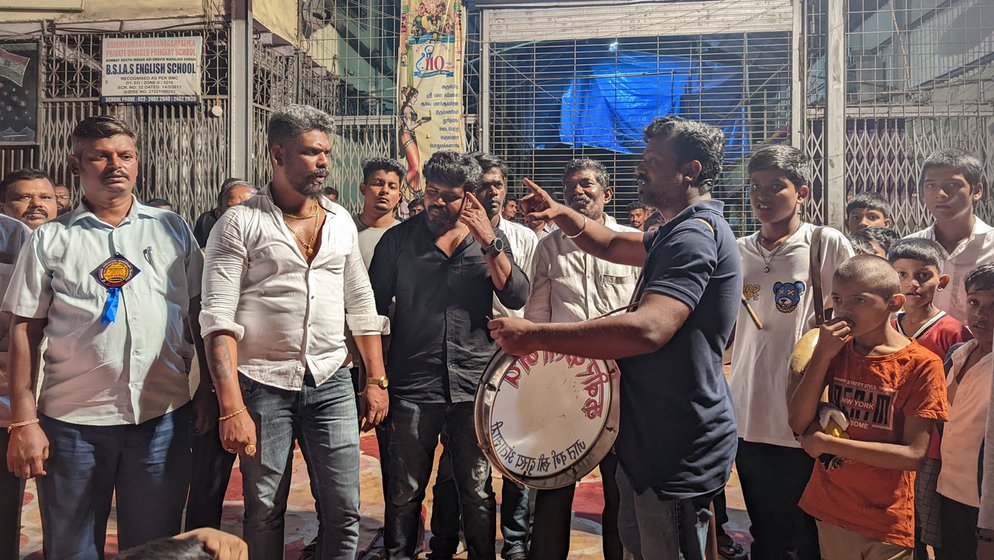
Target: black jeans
553	515
959	531
11	498
773	478
414	430
515	521
211	473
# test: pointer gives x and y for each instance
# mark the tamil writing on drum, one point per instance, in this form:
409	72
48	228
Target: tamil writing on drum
545	463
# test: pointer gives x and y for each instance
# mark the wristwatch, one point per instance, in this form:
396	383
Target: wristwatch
495	247
382	382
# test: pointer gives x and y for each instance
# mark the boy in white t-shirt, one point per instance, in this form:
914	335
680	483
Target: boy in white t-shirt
951	185
968	390
772	466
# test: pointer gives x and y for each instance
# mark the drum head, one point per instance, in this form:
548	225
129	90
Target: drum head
546	420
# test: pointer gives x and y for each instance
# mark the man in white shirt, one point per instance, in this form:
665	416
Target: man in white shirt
110	286
13	235
570	286
492	193
283	277
952	182
29	196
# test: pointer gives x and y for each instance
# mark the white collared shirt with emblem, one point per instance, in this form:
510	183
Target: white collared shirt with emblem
569	285
131	370
972	252
288	316
13	235
523	242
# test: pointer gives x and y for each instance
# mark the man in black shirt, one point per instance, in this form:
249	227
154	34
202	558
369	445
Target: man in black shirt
677	437
442	269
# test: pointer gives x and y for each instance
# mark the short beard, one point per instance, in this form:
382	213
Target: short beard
311	187
438	225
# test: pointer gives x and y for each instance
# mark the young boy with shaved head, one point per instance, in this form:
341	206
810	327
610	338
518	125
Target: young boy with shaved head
891	391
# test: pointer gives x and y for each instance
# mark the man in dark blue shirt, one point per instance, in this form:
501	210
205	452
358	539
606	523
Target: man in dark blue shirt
441	269
677	437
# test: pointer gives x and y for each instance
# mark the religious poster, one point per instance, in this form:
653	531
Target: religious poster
151	70
19	93
430	83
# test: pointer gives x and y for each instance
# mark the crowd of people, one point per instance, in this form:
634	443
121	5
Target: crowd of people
310	325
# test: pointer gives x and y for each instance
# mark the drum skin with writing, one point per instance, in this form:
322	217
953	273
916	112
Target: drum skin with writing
545	420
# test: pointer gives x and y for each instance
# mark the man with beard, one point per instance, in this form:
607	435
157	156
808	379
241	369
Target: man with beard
283	277
569	286
109	286
442	268
28	196
514	524
63	198
677	436
637	213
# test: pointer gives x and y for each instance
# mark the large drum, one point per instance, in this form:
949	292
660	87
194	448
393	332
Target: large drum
545	420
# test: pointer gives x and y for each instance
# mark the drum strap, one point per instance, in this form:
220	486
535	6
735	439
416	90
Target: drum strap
814	275
633	304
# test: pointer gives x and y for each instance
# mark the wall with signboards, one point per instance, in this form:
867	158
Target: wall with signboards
110	10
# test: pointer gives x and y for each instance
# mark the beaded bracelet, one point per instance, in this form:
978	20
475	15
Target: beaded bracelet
233	414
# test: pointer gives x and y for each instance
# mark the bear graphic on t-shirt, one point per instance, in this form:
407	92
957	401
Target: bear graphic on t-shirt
787	295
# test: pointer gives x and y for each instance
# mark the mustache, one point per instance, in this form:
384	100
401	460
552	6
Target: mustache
580	201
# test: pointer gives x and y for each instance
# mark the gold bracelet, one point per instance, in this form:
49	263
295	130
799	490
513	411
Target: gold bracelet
13	425
233	414
579	233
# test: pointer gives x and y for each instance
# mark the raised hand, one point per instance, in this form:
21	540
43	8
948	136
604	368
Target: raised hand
539	205
474	216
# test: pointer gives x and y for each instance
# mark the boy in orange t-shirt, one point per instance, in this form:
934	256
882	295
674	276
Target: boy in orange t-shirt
892	391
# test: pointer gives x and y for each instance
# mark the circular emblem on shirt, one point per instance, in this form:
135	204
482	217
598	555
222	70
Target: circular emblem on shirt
115	272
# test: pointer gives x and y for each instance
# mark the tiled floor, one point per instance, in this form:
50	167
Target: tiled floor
301	523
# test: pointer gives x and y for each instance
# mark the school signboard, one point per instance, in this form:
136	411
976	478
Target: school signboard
151	70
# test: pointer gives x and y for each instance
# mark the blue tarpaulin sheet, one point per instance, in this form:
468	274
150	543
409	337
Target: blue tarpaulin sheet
608	104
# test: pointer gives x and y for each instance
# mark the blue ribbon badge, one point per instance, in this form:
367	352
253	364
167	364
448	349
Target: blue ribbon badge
114	273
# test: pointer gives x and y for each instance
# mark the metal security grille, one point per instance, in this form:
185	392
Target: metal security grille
918	78
611	69
183	154
365	35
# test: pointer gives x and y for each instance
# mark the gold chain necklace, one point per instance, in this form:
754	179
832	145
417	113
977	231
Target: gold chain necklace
308	247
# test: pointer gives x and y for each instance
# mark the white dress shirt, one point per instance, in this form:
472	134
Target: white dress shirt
569	285
287	315
128	371
963	434
972	252
523	242
13	235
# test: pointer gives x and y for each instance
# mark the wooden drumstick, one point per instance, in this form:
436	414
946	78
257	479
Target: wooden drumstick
752	314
